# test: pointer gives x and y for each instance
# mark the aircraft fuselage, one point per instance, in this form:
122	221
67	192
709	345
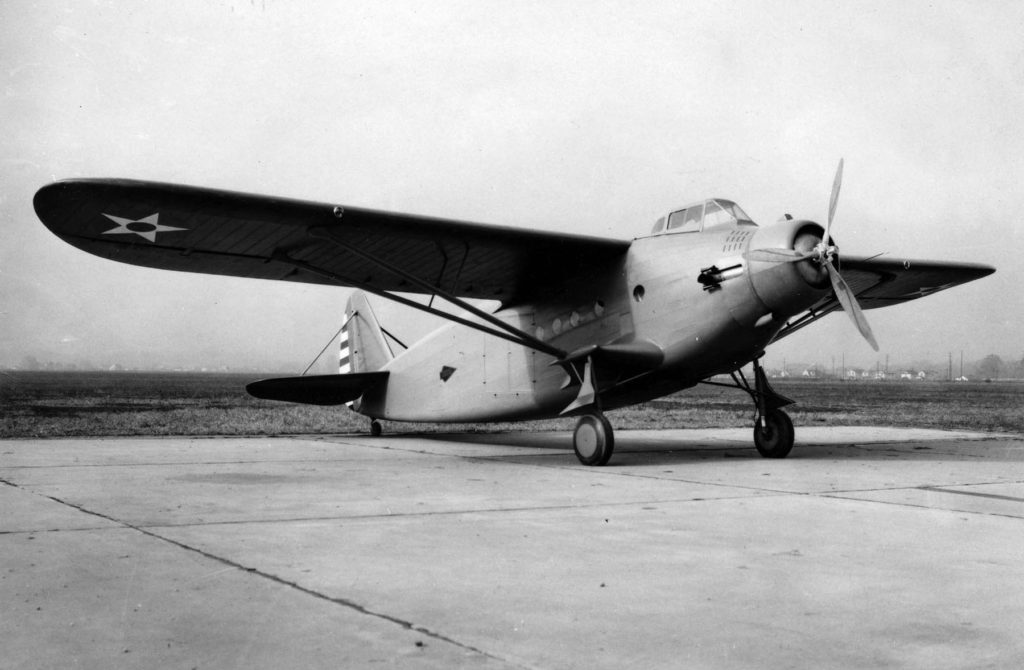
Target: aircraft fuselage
691	295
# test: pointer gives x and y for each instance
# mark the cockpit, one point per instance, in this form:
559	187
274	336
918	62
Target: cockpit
701	216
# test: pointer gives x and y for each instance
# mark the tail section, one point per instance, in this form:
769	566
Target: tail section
363	347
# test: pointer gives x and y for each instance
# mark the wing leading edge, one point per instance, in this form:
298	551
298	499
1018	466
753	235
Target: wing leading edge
211	231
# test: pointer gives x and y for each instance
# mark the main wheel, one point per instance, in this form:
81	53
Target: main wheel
775	438
593	439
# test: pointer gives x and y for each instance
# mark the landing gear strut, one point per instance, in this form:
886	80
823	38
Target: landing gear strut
593	440
773	429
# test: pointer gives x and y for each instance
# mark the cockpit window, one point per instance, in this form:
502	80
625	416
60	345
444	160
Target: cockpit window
686	220
734	210
703	215
714	215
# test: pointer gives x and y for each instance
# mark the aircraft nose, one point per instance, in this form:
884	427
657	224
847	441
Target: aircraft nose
783	268
812	270
793	243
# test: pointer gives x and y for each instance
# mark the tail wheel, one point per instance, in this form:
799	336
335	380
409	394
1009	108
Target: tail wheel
774	439
593	439
375	428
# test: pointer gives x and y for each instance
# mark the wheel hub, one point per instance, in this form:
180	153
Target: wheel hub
586	440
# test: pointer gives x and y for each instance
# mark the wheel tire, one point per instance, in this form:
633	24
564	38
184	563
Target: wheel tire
775	440
593	440
375	428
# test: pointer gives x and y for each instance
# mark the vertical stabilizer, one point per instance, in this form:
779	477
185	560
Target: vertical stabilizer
363	347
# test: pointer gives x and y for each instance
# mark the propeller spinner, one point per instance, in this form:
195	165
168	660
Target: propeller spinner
823	253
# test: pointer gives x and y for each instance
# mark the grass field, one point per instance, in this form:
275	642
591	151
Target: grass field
64	404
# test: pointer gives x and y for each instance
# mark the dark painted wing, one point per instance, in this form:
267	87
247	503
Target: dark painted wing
221	232
317	389
879	282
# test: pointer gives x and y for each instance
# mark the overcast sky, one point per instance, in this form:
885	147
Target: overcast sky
591	117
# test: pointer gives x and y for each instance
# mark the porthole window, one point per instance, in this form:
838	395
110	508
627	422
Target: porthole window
599	308
540	333
556	326
638	293
574	319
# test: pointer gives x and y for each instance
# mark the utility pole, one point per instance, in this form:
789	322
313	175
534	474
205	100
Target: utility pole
961	362
951	366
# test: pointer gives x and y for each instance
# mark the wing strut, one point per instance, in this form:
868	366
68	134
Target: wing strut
521	337
516	336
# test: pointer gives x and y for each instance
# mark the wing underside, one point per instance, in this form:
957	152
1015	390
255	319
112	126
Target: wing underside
879	282
221	232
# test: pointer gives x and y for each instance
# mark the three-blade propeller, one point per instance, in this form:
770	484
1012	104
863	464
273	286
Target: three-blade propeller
823	253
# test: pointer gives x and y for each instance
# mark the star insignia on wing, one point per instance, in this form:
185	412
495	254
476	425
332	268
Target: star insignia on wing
146	228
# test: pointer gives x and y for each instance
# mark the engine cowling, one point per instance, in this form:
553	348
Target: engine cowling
777	290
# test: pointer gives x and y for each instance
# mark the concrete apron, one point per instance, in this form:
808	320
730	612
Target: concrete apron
866	548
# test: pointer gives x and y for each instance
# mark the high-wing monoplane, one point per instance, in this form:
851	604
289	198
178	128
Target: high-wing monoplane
583	324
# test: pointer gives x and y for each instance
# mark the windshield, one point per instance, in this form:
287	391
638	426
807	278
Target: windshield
734	210
723	212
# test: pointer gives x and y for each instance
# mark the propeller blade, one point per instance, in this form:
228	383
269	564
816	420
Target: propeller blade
833	200
778	255
850	305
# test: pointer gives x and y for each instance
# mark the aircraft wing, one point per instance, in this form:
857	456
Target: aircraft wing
210	231
879	282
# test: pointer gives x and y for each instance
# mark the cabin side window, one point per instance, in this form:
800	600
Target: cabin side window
686	220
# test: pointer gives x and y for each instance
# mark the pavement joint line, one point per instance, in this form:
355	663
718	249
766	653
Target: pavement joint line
362	517
40	531
924	487
611	471
344	602
897	503
979	494
494	510
151	464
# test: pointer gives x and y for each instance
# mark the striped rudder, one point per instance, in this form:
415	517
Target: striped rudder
362	345
344	353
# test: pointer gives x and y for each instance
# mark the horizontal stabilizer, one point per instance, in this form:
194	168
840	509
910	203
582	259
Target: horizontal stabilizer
317	389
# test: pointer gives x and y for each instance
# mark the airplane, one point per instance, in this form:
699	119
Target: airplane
584	324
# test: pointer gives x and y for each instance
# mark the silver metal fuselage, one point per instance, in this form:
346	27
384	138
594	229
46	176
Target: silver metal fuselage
650	295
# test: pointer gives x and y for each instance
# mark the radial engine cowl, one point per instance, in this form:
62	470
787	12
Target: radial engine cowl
788	288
